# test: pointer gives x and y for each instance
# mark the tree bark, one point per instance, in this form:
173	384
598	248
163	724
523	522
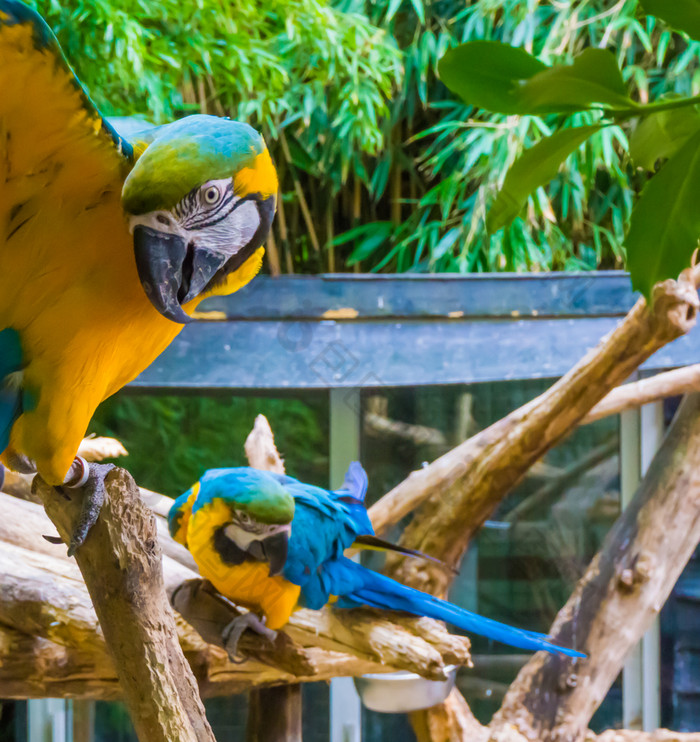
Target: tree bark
461	489
451	721
625	586
638	393
121	564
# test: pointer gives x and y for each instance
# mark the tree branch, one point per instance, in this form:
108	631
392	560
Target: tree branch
121	564
638	393
553	698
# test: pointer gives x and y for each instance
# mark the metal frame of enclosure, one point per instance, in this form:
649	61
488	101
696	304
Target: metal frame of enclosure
344	333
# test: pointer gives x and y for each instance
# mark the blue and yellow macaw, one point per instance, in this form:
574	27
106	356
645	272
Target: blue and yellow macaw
272	544
106	245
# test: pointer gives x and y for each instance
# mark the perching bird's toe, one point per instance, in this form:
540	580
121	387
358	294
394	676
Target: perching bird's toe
231	635
93	491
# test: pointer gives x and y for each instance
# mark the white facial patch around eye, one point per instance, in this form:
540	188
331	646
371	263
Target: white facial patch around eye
243	538
207	190
234	232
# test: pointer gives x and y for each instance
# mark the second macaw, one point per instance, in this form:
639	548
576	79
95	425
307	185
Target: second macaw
107	245
272	543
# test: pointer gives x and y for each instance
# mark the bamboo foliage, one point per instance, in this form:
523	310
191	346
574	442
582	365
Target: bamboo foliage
380	164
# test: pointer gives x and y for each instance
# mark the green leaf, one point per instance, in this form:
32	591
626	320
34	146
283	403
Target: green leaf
488	74
394	5
665	224
535	167
683	15
374	235
446	243
420	10
662	134
593	78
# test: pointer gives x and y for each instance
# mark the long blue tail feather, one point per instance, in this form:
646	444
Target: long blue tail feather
378	591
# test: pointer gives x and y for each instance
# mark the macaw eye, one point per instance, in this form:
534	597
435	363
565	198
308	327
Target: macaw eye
244	519
211	195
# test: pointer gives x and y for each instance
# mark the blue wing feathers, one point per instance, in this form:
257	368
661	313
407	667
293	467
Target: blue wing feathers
10	393
355	482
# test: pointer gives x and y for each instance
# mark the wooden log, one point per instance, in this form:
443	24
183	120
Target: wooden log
371	636
451	721
624	588
260	448
121	564
461	489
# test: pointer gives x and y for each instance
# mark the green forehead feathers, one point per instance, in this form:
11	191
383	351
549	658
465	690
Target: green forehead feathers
251	491
185	154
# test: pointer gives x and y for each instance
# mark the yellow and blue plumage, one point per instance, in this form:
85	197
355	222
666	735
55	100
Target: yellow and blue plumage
84	305
272	543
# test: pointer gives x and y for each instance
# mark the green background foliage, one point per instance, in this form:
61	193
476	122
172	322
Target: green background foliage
196	433
382	168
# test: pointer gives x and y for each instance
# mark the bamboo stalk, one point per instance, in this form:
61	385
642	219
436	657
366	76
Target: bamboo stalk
303	204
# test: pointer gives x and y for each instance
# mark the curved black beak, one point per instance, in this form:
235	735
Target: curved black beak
275	550
171	271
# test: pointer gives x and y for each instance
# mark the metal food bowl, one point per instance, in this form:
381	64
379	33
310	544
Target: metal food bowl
402	692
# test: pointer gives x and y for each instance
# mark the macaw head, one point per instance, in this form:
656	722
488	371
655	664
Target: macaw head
200	200
261	510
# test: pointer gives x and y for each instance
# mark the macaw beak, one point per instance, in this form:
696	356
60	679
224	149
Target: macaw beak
275	550
171	271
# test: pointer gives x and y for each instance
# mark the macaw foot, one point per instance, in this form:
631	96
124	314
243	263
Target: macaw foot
90	478
231	635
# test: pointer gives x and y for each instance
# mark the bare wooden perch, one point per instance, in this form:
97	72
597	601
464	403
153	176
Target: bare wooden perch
260	447
99	448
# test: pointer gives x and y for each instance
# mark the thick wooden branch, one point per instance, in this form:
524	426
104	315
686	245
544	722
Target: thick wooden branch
638	393
99	448
461	489
31	667
121	564
553	698
260	448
